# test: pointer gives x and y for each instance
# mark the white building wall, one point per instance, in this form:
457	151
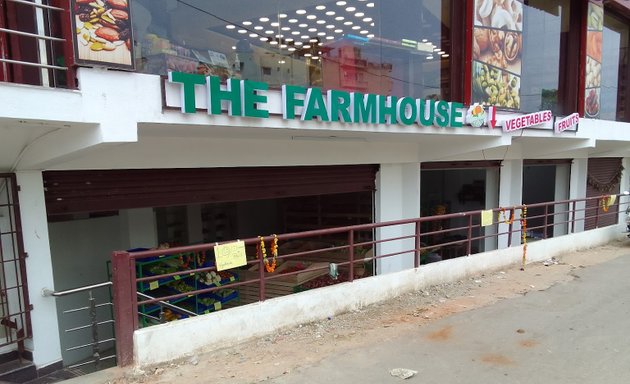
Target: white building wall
510	193
577	190
45	343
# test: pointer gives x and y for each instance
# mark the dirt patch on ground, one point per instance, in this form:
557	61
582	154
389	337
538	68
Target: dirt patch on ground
288	349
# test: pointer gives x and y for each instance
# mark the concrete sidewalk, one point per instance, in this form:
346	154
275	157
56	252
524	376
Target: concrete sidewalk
574	332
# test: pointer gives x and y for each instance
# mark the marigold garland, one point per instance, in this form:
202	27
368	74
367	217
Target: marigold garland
260	250
524	234
606	203
503	217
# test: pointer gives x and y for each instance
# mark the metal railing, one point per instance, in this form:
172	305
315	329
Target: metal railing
46	45
93	325
339	254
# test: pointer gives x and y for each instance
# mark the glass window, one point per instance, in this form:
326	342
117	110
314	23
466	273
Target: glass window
614	69
398	47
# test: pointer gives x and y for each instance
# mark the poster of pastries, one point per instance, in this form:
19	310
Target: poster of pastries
103	33
593	75
497	52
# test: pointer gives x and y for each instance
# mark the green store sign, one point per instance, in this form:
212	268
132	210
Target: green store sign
247	98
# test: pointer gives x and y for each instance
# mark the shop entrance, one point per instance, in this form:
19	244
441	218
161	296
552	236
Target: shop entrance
457	187
543	181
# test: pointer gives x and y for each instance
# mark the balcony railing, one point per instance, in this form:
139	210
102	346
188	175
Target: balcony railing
336	255
35	43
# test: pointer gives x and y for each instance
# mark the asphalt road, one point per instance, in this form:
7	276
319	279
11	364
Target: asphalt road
574	332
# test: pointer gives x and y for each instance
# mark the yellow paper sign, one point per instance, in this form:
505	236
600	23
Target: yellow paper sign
217	305
230	255
153	285
486	218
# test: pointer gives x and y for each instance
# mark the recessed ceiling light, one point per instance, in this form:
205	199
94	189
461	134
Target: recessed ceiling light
307	55
445	55
283	45
338	30
320	7
303	25
305	36
429	57
441	52
253	35
273	42
279	36
306	46
298	43
285	28
367	19
270	32
371	25
264	38
339	18
340	3
258	27
229	26
330	37
359	14
315	57
312	29
436	49
320	43
351	9
275	24
282	15
233	47
242	31
292	21
330	13
356	27
247	23
371	35
364	32
291	49
321	21
370	5
321	33
347	23
289	39
295	32
300	11
424	40
313	40
311	17
330	26
264	19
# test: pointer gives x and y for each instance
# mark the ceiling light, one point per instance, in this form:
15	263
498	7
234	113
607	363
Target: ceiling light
445	55
303	25
338	30
312	29
285	28
233	47
281	61
289	39
424	40
347	23
264	38
311	17
320	7
279	36
315	57
282	15
330	26
313	40
429	57
321	33
330	13
436	49
293	21
283	45
247	23
356	27
339	18
321	21
306	46
364	32
269	32
300	11
295	32
371	35
258	27
275	24
371	25
242	31
320	43
229	26
359	14
298	43
370	5
351	9
441	52
273	42
253	35
330	37
291	49
305	36
340	3
307	55
367	19
264	19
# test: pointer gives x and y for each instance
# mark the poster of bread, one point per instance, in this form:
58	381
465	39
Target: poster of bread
497	49
103	33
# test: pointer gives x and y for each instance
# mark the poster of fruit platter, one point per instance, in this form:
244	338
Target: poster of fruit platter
103	33
497	51
593	75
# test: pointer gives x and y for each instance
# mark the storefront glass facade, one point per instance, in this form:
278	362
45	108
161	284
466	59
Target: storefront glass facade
397	47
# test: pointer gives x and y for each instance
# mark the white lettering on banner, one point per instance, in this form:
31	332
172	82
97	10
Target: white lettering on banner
568	122
527	121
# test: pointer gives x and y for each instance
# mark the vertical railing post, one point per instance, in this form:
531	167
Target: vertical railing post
573	216
351	254
94	326
417	260
470	234
511	226
125	305
261	277
597	214
546	221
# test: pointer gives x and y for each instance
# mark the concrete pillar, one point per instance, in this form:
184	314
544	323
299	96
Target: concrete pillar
397	197
577	190
139	229
624	201
563	172
492	199
45	343
510	194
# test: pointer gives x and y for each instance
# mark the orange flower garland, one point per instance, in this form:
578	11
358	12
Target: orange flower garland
503	217
524	234
606	203
260	250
